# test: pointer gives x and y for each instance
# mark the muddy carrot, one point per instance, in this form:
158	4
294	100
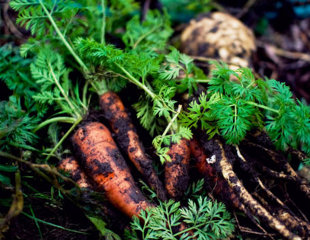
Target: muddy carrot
220	186
71	166
256	208
176	171
105	165
128	140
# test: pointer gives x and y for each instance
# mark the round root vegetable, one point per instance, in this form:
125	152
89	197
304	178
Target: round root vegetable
128	140
176	170
107	168
71	166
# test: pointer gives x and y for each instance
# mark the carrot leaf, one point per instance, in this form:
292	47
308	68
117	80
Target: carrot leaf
204	219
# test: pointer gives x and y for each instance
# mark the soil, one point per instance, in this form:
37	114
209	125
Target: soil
283	53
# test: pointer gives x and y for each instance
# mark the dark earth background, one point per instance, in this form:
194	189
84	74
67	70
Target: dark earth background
282	30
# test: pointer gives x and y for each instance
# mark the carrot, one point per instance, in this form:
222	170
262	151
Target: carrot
176	171
201	159
105	165
226	168
128	140
71	166
220	186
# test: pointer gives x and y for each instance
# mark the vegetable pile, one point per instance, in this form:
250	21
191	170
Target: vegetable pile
212	137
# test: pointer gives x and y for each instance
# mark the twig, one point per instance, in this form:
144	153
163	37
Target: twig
9	22
301	183
208	59
284	53
246	8
16	206
293	203
246	230
36	169
145	9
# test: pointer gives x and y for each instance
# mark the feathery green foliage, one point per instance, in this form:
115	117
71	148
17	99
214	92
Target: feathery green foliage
149	36
14	71
236	102
16	125
137	68
55	86
72	35
19	115
204	220
178	71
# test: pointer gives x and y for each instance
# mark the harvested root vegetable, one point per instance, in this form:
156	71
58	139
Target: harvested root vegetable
128	140
220	187
282	211
71	166
109	213
255	198
105	165
221	36
176	170
253	205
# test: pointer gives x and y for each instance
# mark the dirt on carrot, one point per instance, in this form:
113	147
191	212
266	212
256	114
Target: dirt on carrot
176	171
128	140
105	165
71	165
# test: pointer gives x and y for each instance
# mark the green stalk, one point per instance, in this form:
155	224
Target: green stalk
103	22
63	91
133	80
171	121
262	106
64	137
53	225
140	39
136	82
55	119
169	224
190	228
36	222
66	43
77	58
84	99
202	80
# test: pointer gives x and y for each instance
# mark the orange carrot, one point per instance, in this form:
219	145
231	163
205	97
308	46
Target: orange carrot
128	140
71	166
107	168
176	171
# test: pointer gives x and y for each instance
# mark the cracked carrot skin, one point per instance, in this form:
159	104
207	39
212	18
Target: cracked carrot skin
128	140
105	165
71	165
176	170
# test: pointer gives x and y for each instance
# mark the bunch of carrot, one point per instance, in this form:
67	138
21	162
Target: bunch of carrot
99	164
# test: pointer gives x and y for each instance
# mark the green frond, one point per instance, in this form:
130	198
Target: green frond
204	219
16	125
149	36
51	75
